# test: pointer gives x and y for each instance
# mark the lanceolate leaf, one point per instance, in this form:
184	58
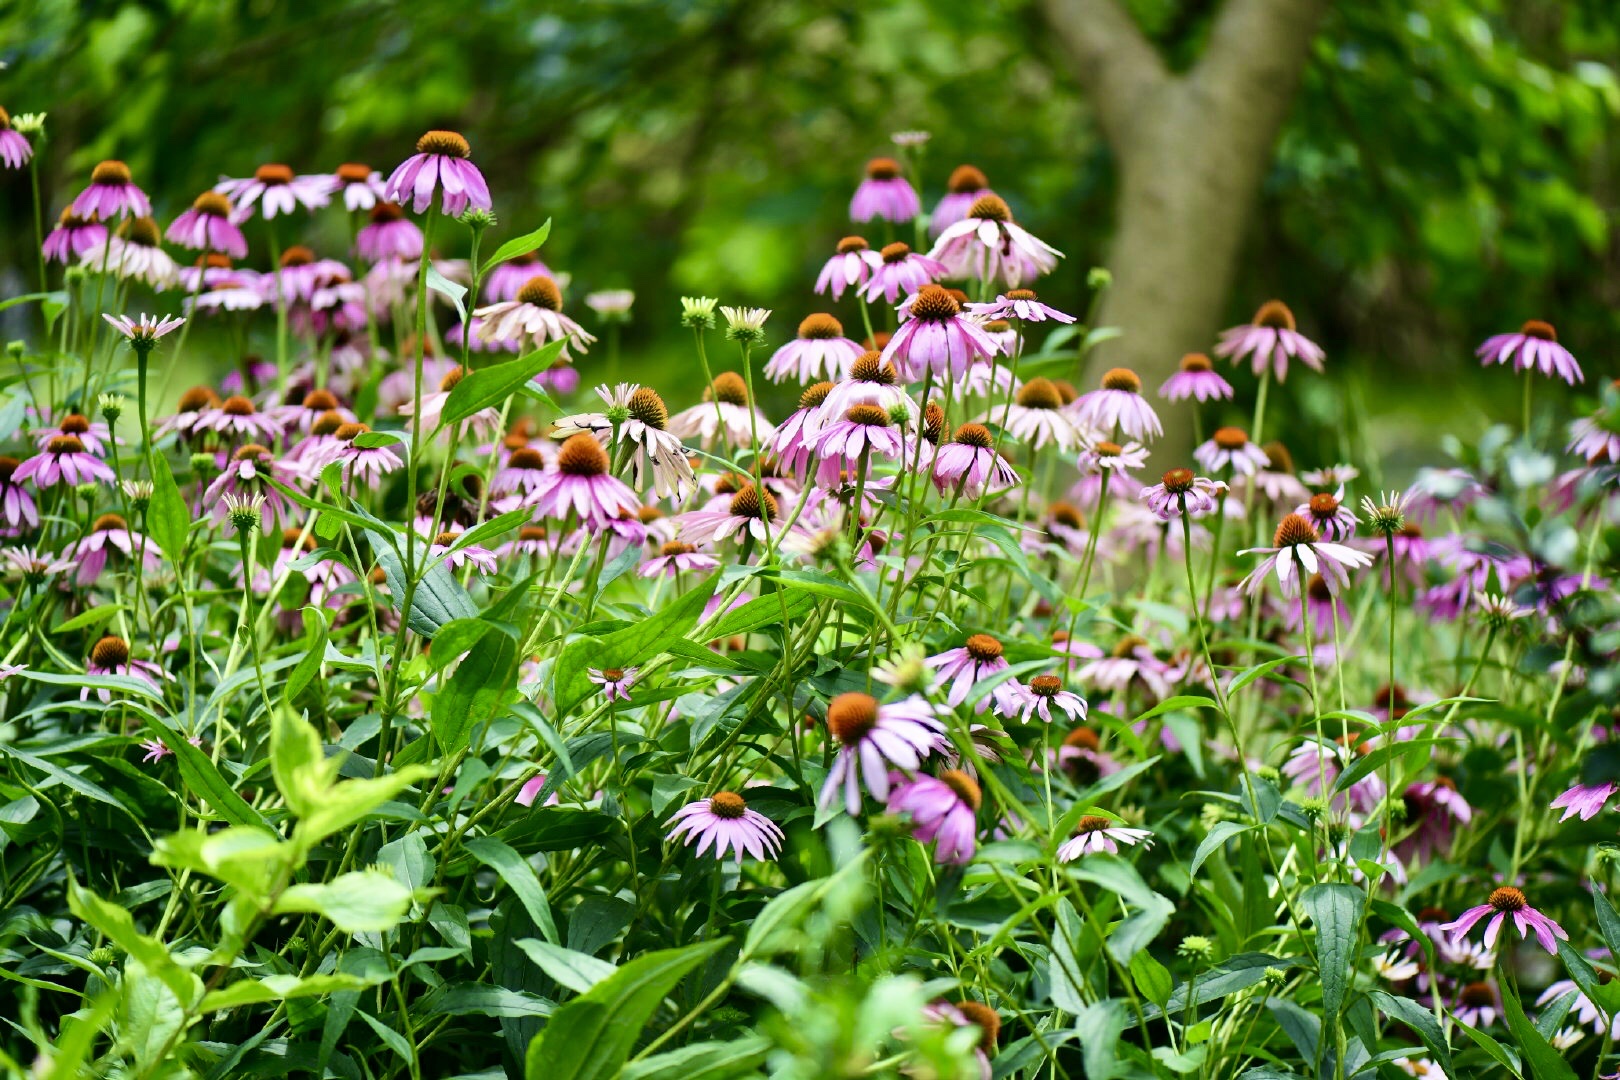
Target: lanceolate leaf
1335	910
488	386
518	245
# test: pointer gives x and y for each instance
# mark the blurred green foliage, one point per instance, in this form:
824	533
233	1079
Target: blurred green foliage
1448	169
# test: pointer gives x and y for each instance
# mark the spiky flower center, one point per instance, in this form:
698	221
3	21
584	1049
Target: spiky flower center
328	423
933	426
1107	449
111	172
675	547
294	537
882	169
1507	899
990	208
1046	686
867	416
997	326
1065	514
966	179
582	455
1040	393
1019	294
646	406
1127	646
820	327
1178	481
352	172
542	292
320	400
1230	438
143	231
297	255
726	804
237	405
814	395
75	424
1091	823
1122	379
1274	314
869	367
1317	589
1196	361
1537	329
451	378
851	717
448	143
963	785
213	204
446	539
974	435
985	1019
751	502
852	243
1324	505
109	522
8	465
895	252
1082	738
110	652
729	387
350	432
532	533
1294	530
385	212
1278	459
64	444
983	648
935	304
526	458
251	452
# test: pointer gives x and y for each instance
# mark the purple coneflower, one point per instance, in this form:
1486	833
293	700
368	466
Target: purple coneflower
15	149
1037	416
969	1013
17	508
1046	692
970	464
136	254
95	434
615	682
820	351
1099	456
901	272
583	486
724	821
247	473
724	411
1131	661
110	532
1095	835
388	235
793	441
988	246
1081	754
207	226
1230	448
1587	800
1118	402
1298	551
439	164
944	809
980	657
112	193
111	656
477	556
1270	339
1181	492
507	280
937	338
874	738
275	190
1434	808
1019	304
870	381
1505	902
1198	379
884	194
483	423
368	463
531	540
849	442
1331	517
749	512
237	417
1478	1004
1584	1009
850	267
362	186
966	186
675	556
535	315
1534	346
72	237
64	460
524	471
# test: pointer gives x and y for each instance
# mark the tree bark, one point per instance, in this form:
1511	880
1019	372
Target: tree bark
1191	150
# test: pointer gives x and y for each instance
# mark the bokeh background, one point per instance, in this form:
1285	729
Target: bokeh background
1441	169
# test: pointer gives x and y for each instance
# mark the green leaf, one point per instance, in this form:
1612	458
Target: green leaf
1218	836
488	386
702	1061
452	291
118	926
455	638
1503	1055
203	777
355	902
476	999
301	769
168	520
1420	1020
760	613
280	988
1545	1062
247	857
438	598
62	776
520	878
348	802
1336	911
518	245
309	667
591	1037
475	693
575	970
94	617
1152	978
1608	921
630	647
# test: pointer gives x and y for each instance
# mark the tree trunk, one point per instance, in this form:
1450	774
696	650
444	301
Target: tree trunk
1191	150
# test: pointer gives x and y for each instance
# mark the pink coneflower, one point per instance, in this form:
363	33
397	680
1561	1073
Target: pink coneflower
792	441
440	164
63	461
724	412
507	280
749	512
1591	440
388	235
1081	755
445	547
481	424
536	315
110	532
112	193
1019	304
370	464
820	351
1118	402
874	738
1045	693
362	186
207	226
1435	808
1331	517
17	508
1330	476
966	186
1099	456
135	254
524	472
901	272
1505	902
937	338
238	418
1182	492
1131	661
111	656
15	150
969	1014
275	190
1036	416
615	682
870	381
675	556
247	473
1270	339
1230	448
95	434
191	407
1587	800
850	267
884	194
943	809
72	237
1315	767
988	246
1298	551
1198	379
245	293
970	464
532	541
1478	1004
980	657
1095	835
301	417
583	486
724	821
844	444
155	752
1583	1008
531	789
1534	346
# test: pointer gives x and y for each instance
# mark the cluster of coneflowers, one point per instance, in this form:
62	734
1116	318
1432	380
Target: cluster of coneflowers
926	407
